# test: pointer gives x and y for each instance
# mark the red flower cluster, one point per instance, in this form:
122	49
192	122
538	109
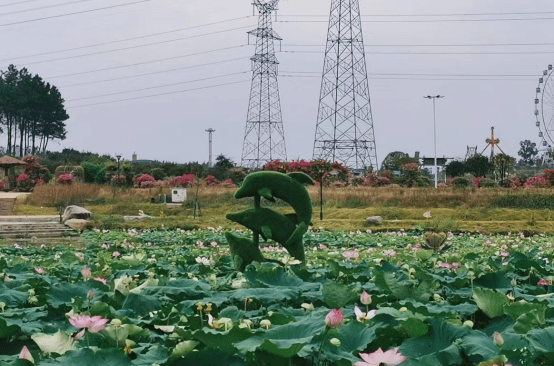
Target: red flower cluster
145	181
66	179
411	167
184	181
317	169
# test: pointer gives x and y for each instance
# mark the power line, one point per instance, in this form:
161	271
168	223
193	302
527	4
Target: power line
75	13
152	73
18	2
440	53
143	63
434	45
132	47
161	94
44	7
389	78
159	86
124	40
429	15
396	74
423	21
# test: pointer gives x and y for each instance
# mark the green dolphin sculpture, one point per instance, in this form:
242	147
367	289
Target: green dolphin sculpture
287	187
271	225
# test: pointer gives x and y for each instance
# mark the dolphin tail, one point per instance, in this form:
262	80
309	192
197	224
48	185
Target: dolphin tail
298	233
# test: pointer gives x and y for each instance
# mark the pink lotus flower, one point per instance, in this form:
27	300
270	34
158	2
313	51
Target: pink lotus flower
80	256
116	254
378	358
334	318
40	270
86	273
444	265
351	254
542	281
504	254
93	324
101	280
26	355
365	298
389	253
456	265
90	295
105	246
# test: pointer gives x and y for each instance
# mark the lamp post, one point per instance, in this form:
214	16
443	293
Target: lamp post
435	135
118	158
210	131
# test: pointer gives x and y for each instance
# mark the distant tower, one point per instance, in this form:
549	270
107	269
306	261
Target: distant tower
264	138
492	142
471	152
210	131
134	157
344	130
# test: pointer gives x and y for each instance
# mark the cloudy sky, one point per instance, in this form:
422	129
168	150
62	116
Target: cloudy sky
147	76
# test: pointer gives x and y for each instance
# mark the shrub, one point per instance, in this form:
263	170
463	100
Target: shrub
77	172
24	183
94	173
66	179
535	182
35	170
210	181
524	201
461	182
158	173
145	181
118	180
2	185
515	182
548	175
184	181
476	181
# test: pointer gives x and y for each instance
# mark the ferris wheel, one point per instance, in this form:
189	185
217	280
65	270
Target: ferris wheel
544	113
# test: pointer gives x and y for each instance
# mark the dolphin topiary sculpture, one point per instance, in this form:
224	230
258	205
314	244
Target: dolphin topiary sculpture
286	230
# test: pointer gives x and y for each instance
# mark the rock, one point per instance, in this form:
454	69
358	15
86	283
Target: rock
142	218
79	224
374	220
76	212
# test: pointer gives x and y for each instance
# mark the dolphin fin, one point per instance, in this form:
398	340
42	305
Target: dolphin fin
293	217
298	233
301	178
263	235
266	193
266	230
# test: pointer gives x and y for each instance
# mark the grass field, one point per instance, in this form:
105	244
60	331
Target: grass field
474	210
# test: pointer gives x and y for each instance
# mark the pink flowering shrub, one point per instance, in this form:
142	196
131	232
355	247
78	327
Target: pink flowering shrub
2	185
476	181
118	180
24	183
66	179
535	182
442	185
184	181
145	181
210	181
411	167
515	182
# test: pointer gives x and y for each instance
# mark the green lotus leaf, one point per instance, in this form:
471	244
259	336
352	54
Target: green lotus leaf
415	327
87	357
490	302
480	345
59	343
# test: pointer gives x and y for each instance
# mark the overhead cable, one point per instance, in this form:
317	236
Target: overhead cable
44	7
75	13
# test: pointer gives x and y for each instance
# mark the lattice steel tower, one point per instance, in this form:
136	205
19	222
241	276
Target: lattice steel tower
344	130
264	139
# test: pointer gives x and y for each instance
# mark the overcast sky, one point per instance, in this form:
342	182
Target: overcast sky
172	126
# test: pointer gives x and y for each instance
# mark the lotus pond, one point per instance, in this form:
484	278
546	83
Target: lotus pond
172	297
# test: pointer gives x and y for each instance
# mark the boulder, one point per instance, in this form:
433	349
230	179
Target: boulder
141	218
79	224
374	220
76	212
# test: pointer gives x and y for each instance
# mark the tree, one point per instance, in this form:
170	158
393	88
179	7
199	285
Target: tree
31	110
478	165
528	152
455	169
502	164
396	160
224	162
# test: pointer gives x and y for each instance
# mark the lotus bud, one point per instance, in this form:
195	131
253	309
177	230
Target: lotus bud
365	298
403	309
86	273
116	323
90	295
437	297
307	307
468	323
510	296
265	323
514	282
26	355
498	340
31	292
334	319
2	306
335	342
208	307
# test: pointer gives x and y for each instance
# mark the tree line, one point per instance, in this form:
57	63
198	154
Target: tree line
32	112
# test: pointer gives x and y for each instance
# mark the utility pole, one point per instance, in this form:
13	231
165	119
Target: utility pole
435	133
210	131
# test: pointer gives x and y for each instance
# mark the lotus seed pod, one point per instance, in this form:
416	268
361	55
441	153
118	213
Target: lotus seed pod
265	323
403	309
335	342
2	305
116	323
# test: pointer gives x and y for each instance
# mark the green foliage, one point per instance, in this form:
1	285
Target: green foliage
524	201
94	172
455	169
478	165
461	182
528	152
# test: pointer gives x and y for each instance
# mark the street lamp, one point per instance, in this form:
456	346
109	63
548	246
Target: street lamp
435	133
118	158
210	131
